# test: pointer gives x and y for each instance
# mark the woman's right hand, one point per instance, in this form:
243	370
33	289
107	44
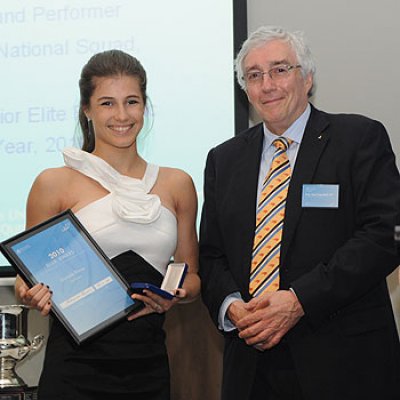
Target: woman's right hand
38	296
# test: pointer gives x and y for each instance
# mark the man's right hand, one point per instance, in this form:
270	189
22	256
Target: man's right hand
236	311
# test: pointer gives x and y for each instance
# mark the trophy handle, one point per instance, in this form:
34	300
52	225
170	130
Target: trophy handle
37	342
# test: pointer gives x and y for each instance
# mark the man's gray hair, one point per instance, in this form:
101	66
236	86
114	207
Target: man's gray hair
266	34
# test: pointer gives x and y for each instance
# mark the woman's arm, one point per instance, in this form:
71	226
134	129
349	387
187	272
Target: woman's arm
43	202
187	247
185	206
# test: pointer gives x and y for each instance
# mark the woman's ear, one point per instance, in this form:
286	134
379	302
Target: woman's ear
87	113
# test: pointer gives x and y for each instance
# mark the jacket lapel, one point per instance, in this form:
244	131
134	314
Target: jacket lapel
314	140
246	170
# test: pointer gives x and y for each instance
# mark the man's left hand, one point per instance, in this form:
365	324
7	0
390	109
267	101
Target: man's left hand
271	316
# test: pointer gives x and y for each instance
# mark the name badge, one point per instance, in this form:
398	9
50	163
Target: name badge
320	196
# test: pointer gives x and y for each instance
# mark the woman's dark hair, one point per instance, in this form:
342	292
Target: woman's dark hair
104	64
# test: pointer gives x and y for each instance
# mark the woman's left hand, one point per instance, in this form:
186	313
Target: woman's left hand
155	303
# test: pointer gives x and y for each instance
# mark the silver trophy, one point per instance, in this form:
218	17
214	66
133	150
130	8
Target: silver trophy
14	345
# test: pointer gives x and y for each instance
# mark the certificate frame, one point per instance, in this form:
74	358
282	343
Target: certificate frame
89	294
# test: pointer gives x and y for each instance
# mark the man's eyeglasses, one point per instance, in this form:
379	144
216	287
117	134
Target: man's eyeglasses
277	73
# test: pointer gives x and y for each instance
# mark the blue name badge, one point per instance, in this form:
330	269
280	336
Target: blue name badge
320	196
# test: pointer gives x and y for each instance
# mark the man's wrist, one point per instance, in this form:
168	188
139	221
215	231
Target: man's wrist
235	311
224	323
298	308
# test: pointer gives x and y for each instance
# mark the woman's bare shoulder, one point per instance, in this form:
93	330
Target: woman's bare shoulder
49	194
180	186
54	177
176	176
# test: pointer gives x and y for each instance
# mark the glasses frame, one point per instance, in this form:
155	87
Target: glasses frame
270	73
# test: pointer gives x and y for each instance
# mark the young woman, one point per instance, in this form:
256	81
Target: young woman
140	214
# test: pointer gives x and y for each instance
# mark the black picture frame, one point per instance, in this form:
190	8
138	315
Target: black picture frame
89	294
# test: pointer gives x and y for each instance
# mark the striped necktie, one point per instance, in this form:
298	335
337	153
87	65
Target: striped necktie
264	271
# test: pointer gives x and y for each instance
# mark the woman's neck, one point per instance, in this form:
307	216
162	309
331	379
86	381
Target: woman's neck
124	160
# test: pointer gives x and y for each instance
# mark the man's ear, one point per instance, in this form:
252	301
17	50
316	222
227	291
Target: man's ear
247	95
309	82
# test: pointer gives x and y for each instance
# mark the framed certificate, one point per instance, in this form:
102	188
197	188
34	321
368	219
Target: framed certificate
88	292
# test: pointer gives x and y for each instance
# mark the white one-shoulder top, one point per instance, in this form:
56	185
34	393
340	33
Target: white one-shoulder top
129	217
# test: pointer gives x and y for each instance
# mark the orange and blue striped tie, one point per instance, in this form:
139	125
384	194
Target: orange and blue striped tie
264	271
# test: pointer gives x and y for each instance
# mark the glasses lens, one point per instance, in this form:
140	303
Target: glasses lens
279	72
254	76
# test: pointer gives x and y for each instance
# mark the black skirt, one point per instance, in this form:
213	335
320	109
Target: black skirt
128	361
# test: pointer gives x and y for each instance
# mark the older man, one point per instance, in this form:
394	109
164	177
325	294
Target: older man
297	240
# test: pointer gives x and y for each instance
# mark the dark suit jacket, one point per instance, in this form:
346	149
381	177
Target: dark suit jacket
336	259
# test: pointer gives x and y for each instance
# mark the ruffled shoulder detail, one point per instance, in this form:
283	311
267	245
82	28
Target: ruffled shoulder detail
131	199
